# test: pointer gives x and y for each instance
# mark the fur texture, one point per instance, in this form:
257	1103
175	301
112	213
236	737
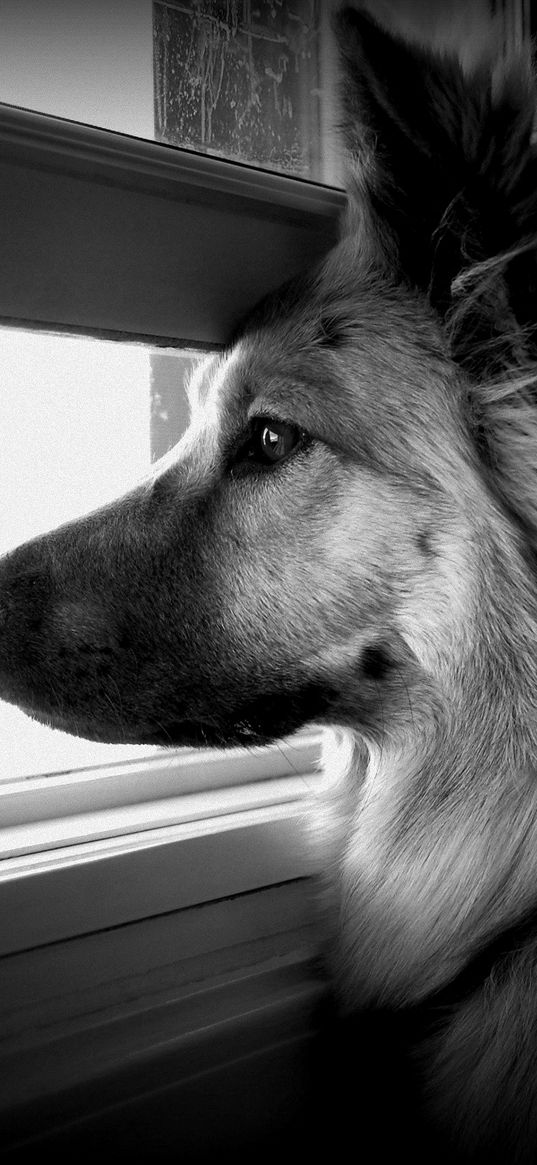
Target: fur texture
380	579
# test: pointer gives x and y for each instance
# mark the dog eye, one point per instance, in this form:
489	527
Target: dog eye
271	441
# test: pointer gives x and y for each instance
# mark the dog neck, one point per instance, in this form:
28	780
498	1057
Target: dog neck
441	854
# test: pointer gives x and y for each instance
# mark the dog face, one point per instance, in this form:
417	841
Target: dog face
308	552
254	582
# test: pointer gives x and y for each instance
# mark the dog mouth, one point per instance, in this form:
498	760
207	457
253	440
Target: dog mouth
255	723
186	734
259	721
180	733
205	734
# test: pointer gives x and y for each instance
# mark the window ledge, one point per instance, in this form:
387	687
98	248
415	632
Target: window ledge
146	820
156	778
221	843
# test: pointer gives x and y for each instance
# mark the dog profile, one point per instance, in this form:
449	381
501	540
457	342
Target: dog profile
347	535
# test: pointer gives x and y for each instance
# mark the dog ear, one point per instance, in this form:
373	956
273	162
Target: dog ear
443	159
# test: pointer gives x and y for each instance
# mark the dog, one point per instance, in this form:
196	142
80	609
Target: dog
347	535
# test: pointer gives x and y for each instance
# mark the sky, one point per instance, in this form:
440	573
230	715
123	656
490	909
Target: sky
74	419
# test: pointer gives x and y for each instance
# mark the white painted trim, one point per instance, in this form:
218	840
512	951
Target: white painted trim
51	895
165	776
105	234
143	817
26	134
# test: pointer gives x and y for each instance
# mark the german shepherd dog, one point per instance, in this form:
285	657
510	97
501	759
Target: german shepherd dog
347	535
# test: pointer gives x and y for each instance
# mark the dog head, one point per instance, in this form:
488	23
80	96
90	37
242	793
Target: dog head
308	551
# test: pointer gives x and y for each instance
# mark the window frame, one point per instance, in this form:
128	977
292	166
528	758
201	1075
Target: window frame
112	236
58	167
168	833
112	907
111	869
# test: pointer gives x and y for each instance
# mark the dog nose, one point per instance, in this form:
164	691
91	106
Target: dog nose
35	609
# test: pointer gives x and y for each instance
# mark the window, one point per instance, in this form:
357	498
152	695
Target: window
107	237
126	880
250	82
83	419
154	917
246	81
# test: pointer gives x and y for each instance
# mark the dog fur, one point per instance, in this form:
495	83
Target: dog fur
380	580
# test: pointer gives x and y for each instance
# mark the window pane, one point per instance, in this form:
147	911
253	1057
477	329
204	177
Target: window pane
244	81
81	421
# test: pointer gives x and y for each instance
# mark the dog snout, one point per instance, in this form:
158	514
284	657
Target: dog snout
61	645
36	610
83	626
24	594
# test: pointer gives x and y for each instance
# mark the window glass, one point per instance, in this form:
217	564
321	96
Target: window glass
81	422
246	81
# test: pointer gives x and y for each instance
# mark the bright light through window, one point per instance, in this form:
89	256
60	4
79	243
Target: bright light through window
81	421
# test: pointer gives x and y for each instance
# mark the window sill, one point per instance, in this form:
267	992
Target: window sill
146	820
170	776
100	870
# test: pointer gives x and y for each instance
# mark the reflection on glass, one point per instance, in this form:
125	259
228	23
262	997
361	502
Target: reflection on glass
81	422
243	81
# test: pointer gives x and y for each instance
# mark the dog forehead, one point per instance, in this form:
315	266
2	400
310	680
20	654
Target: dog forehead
358	380
220	382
